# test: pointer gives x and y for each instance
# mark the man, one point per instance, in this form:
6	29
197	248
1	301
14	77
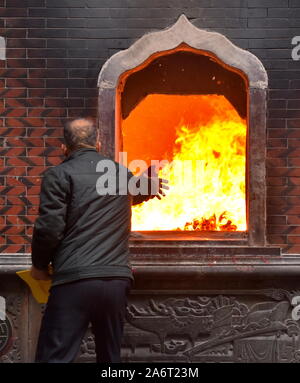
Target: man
84	234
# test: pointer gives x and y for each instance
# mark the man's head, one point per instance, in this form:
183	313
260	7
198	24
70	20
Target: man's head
80	133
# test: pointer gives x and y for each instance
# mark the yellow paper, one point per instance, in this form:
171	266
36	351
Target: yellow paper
39	289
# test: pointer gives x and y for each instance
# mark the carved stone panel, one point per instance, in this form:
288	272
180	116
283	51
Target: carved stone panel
255	326
14	329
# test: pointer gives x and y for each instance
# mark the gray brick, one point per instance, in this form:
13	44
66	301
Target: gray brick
272	53
257	12
83	92
46	12
83	73
66	43
284	12
273	123
26	43
67	63
288	94
92	63
67	23
65	3
45	53
242	33
279	53
107	3
111	52
66	83
109	43
215	22
216	12
13	12
90	12
162	4
285	74
275	64
277	113
282	32
293	104
269	43
106	33
47	33
295	84
293	124
278	84
277	104
144	12
267	3
269	23
47	73
242	43
24	23
129	23
87	53
25	63
294	3
24	3
256	33
228	3
260	53
293	113
293	64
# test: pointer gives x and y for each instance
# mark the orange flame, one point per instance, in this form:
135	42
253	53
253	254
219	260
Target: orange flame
206	139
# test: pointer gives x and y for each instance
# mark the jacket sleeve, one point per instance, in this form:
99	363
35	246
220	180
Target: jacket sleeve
139	198
49	227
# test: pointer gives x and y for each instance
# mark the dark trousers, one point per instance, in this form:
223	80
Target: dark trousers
70	309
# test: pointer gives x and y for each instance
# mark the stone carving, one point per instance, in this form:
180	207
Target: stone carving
214	328
13	307
14	354
87	348
258	326
10	350
5	334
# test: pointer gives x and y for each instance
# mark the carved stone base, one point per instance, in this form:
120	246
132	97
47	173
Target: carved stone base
249	326
185	319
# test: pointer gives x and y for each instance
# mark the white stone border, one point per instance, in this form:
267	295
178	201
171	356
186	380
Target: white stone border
183	32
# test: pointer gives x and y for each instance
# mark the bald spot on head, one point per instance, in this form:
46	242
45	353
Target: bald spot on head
80	133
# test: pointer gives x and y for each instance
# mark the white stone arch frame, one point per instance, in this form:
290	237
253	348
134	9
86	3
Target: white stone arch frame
184	32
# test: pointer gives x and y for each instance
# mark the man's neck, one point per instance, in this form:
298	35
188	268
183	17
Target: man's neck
69	152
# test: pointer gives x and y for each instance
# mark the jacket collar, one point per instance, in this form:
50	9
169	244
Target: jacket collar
79	152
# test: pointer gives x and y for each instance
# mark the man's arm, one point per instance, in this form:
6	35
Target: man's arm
155	186
50	225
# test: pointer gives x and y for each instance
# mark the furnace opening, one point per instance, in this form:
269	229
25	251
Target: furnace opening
190	113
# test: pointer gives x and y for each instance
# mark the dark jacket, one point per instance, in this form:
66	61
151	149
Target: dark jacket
83	234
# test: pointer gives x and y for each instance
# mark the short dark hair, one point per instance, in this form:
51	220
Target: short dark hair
80	132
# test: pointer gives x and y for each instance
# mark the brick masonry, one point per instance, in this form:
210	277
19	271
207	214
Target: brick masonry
55	50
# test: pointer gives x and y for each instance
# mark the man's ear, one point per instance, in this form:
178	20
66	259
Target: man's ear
98	146
64	149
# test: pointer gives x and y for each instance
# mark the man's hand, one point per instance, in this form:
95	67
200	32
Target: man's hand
157	183
40	275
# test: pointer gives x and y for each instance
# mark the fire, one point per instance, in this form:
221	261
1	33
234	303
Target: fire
204	140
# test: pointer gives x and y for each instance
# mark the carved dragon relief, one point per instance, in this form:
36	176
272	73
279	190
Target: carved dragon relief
210	328
220	328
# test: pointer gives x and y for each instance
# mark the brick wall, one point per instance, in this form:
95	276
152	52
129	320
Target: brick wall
55	49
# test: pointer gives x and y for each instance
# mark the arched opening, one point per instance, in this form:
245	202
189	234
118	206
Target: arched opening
187	109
